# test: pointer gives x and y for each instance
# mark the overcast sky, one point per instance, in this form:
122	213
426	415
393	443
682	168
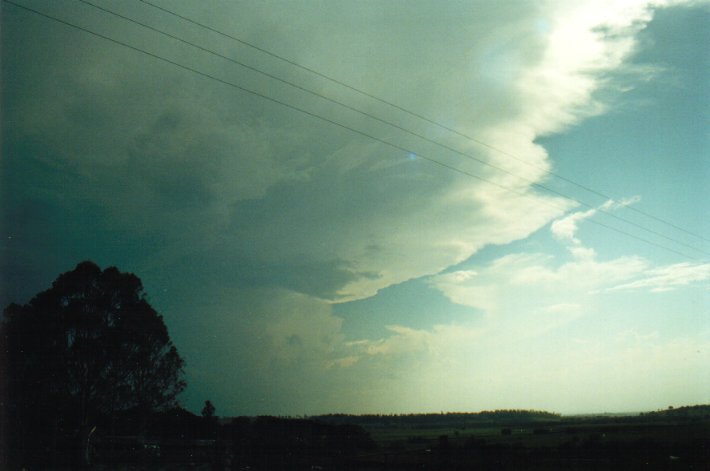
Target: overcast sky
310	257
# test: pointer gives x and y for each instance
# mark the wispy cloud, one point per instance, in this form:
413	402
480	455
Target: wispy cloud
670	277
530	292
565	229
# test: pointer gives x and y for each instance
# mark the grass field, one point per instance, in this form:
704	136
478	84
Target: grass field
569	443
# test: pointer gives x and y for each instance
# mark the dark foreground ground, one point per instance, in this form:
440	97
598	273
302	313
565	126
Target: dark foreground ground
668	440
570	444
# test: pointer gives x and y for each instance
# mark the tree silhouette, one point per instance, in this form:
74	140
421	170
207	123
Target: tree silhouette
209	410
86	348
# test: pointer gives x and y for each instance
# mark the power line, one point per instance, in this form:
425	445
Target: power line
258	94
389	123
330	121
423	118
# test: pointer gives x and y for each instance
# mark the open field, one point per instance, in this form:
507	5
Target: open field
569	443
501	440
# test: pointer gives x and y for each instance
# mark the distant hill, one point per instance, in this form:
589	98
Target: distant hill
689	412
444	419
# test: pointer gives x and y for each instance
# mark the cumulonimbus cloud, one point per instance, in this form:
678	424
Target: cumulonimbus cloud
204	190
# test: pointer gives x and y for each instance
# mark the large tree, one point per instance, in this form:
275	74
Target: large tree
86	348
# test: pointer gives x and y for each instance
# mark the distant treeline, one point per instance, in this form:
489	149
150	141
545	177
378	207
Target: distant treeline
689	412
443	419
675	415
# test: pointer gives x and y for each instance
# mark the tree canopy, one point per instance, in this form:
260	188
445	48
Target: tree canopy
89	346
209	410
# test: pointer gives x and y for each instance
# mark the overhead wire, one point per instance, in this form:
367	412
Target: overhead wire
335	123
384	121
420	116
389	123
255	93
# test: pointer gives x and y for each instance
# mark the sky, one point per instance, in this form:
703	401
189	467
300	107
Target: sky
377	207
